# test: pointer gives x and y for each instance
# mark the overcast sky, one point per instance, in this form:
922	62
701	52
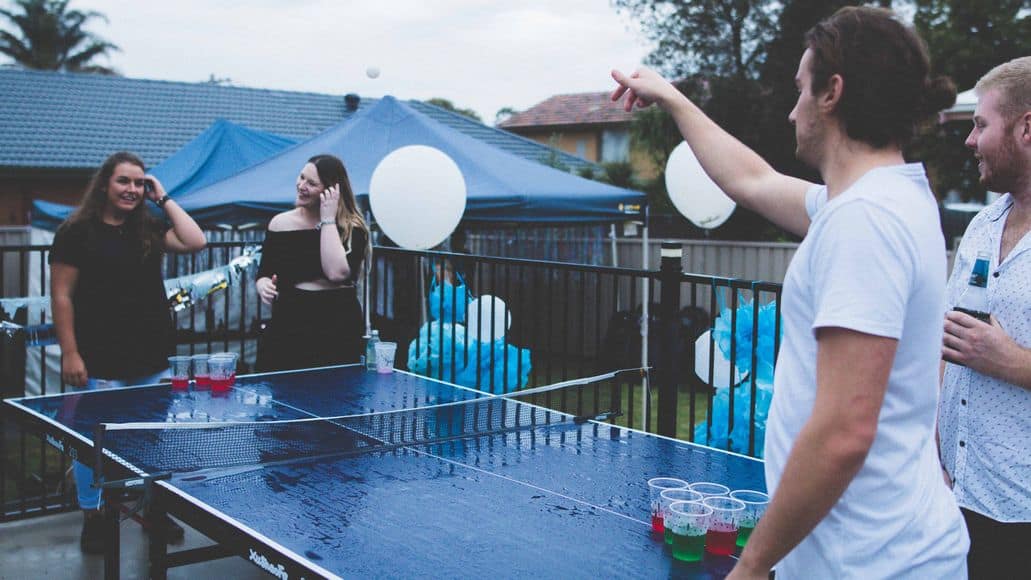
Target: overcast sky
480	54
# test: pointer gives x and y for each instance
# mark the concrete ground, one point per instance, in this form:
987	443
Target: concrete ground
48	547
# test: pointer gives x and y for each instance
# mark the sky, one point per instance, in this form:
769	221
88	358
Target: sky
479	54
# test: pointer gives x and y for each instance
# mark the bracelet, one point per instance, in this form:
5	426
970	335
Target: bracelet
161	202
319	225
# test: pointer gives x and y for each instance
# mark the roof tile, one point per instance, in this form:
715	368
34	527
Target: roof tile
74	120
575	109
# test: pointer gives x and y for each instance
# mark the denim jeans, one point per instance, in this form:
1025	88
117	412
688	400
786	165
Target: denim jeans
89	496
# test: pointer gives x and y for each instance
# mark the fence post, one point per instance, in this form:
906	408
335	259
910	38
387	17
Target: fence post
668	345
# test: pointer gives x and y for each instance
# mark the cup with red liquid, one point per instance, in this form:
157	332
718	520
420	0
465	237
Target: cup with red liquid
721	539
667	498
179	368
755	506
222	370
688	524
201	376
656	486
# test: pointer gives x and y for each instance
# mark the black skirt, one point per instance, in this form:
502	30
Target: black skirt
312	328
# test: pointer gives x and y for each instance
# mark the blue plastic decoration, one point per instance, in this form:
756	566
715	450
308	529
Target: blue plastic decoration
507	376
717	432
737	439
447	307
443	298
432	359
764	352
432	352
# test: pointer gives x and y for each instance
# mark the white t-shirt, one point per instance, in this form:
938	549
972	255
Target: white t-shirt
873	261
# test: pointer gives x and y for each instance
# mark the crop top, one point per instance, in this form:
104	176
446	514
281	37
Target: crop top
294	256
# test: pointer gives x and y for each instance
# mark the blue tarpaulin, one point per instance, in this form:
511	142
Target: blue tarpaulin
222	150
501	187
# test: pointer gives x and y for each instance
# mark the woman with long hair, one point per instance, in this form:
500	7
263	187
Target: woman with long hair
107	294
310	262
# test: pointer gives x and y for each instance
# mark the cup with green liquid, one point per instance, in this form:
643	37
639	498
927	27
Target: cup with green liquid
755	506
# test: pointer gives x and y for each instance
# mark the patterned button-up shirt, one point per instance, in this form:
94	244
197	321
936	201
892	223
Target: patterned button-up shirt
984	422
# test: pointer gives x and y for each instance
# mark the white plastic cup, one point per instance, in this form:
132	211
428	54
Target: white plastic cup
721	539
755	506
670	496
708	489
179	369
656	486
688	523
385	352
222	368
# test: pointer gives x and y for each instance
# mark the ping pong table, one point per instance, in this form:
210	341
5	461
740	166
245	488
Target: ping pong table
555	499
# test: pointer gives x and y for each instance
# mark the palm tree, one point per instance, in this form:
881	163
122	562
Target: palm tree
53	37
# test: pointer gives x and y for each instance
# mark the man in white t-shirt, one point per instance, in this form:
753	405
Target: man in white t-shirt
850	451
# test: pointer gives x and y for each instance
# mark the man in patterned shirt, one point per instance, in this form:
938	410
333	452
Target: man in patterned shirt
984	418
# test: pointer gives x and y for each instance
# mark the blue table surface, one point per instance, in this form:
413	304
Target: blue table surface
569	501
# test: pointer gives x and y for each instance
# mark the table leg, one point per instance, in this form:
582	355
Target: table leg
112	537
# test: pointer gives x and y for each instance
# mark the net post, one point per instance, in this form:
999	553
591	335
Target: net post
668	344
98	454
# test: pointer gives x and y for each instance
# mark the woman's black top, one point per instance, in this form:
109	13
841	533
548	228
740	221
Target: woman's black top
123	326
309	328
295	256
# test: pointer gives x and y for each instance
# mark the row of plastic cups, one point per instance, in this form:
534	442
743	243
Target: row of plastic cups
215	371
720	519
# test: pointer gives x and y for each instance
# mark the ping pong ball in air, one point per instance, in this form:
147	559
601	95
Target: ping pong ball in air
372	72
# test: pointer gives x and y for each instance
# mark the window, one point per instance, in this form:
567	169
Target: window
581	148
615	145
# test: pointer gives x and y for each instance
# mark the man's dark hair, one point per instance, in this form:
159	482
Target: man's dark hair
886	68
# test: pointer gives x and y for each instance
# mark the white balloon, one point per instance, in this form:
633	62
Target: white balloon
417	194
372	72
720	366
480	329
693	193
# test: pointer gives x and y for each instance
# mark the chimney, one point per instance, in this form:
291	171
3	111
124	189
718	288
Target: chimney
351	101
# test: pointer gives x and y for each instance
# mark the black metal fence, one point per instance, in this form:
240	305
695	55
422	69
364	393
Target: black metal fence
567	321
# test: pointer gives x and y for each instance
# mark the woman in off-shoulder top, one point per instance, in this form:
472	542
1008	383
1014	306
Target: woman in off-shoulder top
310	262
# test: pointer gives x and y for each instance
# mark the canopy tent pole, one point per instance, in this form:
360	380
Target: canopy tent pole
367	276
612	240
645	287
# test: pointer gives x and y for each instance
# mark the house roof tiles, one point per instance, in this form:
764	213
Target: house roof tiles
575	109
58	120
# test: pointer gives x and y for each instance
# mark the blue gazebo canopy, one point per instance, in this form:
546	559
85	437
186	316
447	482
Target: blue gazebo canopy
223	149
501	187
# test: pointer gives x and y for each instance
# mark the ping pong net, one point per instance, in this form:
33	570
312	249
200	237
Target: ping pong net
194	447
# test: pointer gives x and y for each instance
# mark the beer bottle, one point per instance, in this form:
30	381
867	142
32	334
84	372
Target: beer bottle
974	300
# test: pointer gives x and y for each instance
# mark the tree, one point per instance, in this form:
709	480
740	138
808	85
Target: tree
503	114
966	40
52	37
448	105
716	48
777	81
737	60
713	37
